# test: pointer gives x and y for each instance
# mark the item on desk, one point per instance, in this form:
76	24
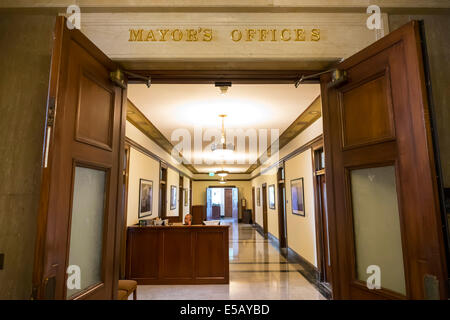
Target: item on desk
212	223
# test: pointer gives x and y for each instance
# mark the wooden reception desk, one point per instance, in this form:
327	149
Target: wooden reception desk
178	254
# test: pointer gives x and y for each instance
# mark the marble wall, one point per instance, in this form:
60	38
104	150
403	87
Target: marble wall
25	64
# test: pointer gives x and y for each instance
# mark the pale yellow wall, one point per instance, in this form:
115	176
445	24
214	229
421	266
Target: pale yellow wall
141	167
244	189
137	136
269	178
173	179
301	230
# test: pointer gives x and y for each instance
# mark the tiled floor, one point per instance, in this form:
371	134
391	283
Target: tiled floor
257	271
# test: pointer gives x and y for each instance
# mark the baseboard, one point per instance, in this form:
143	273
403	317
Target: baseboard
274	240
259	229
309	271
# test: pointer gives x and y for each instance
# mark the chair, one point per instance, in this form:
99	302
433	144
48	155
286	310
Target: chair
126	288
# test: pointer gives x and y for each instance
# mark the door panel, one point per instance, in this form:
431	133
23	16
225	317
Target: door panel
229	203
235	203
81	213
383	206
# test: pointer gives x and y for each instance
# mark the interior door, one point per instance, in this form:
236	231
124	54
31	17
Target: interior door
80	223
382	200
235	203
264	207
229	203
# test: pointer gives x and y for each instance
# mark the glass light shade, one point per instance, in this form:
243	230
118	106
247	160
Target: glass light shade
222	173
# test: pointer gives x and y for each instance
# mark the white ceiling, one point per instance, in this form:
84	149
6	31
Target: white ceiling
269	106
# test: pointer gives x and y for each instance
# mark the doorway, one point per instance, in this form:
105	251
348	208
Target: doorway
222	203
360	151
264	206
321	215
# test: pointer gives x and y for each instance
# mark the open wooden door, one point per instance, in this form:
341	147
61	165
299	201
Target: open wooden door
381	184
80	219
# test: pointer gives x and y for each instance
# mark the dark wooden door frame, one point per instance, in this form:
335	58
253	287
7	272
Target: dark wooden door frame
253	206
281	208
162	190
430	257
125	185
321	250
49	266
229	190
181	198
265	209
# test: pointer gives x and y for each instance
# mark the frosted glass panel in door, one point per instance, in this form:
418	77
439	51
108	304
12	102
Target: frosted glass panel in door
377	226
86	234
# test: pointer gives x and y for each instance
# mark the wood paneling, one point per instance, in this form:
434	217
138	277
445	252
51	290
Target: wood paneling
366	111
95	102
178	255
74	53
399	56
210	255
147	255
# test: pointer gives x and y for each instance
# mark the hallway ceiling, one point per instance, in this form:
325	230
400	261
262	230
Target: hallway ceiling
248	106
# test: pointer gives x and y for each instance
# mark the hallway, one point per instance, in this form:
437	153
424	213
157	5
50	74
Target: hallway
257	272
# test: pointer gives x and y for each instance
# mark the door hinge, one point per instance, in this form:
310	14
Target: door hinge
338	77
119	78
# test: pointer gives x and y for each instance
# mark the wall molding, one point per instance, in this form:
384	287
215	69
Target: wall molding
291	155
152	155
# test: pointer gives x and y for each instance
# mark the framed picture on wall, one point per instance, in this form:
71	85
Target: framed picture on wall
298	197
145	198
173	197
258	197
272	196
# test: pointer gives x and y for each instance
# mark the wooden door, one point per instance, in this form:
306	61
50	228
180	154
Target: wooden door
264	207
79	220
253	205
235	203
382	200
228	203
324	239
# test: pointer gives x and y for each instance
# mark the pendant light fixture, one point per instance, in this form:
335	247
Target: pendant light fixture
222	149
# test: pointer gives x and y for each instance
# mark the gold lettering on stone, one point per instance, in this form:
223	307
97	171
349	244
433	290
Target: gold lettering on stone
283	34
163	33
177	35
300	35
236	35
262	34
315	35
250	34
191	35
207	35
150	36
136	35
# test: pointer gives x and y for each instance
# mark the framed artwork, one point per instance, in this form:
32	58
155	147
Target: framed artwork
298	197
186	197
258	197
173	197
145	198
272	196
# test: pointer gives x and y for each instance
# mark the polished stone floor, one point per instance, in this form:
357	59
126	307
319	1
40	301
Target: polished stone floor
257	272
